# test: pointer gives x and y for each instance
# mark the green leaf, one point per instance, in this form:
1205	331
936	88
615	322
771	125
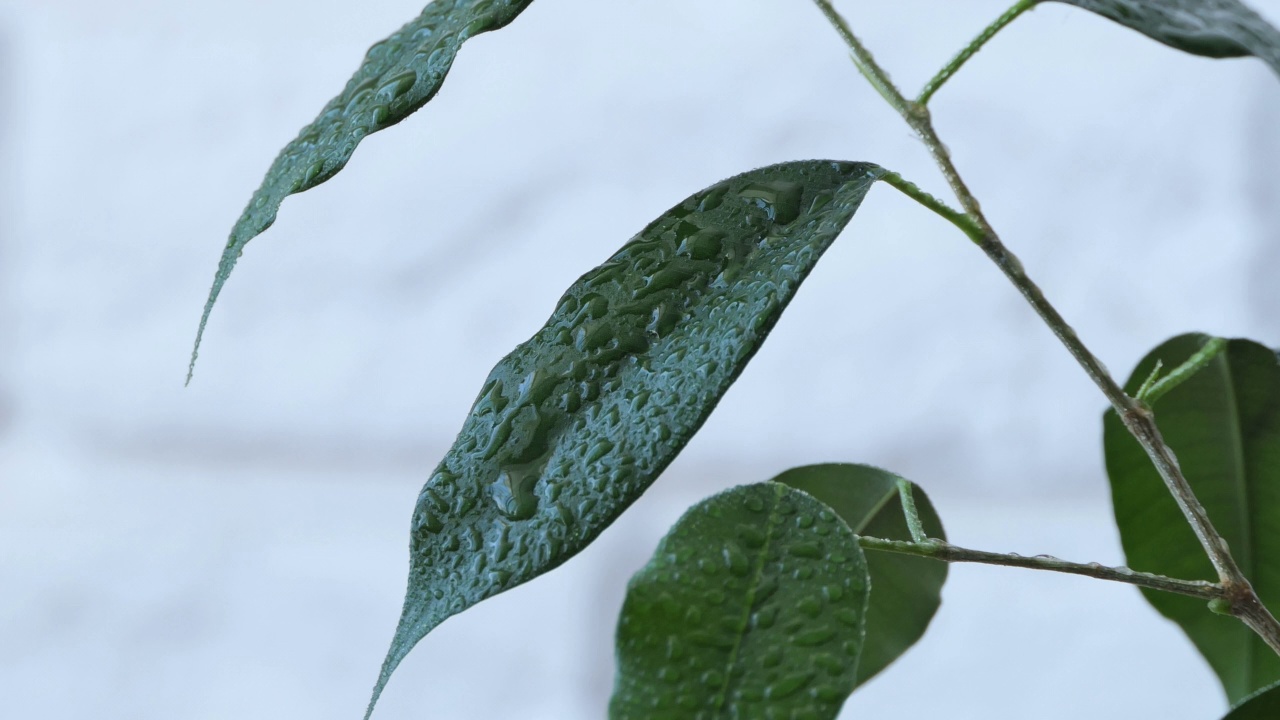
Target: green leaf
906	589
398	76
1224	424
752	607
573	425
1213	28
1262	705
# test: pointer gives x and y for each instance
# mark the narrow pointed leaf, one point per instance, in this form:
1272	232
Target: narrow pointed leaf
398	76
573	425
906	590
1212	28
752	607
1262	705
1224	424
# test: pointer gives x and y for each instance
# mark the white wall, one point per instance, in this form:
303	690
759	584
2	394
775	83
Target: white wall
238	547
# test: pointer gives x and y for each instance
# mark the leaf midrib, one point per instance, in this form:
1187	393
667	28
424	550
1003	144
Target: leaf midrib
1244	500
751	596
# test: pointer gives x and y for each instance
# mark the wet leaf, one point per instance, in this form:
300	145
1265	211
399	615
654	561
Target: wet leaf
906	590
1213	28
1224	424
573	425
752	607
1262	705
398	76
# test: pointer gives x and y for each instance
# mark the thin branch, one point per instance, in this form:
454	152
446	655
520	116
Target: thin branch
946	552
1137	417
972	49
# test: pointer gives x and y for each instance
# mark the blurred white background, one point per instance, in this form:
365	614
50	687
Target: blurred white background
239	548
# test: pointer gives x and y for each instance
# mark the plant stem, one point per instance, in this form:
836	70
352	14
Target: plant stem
1137	417
946	552
972	49
950	214
914	526
1180	374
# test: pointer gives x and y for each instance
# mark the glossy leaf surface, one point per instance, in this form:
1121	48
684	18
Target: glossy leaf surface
752	607
573	425
906	590
1263	705
1224	424
1213	28
398	76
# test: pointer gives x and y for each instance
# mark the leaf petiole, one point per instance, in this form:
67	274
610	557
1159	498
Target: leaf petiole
972	49
1152	390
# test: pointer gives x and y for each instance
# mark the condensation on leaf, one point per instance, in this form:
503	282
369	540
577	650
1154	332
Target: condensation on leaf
753	606
398	76
573	425
1212	28
908	589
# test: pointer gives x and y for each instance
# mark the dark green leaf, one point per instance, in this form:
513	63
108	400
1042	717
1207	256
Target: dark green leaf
1213	28
906	590
752	607
573	425
1262	705
1224	424
398	76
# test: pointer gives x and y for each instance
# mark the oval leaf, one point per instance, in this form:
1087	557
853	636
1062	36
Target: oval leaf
1213	28
752	607
398	76
1224	424
1262	705
573	425
906	589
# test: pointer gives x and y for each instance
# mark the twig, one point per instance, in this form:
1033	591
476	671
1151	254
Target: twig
941	550
1137	417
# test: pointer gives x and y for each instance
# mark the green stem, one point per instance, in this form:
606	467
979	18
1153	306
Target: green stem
946	552
1149	394
866	63
972	49
950	214
1137	417
912	515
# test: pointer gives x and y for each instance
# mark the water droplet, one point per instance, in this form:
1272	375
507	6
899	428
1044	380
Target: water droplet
848	617
765	618
705	244
736	560
751	536
810	606
788	685
811	551
712	198
779	199
501	544
598	450
813	636
428	522
398	85
513	492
